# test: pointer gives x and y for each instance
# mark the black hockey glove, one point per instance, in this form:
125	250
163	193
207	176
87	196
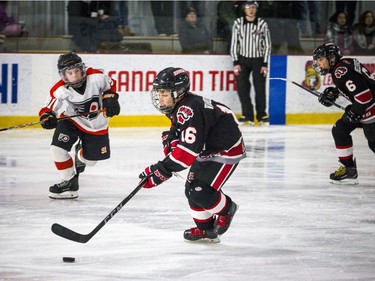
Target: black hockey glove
156	174
328	97
49	120
352	116
110	103
170	140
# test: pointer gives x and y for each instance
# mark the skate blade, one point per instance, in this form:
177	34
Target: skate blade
345	182
64	195
204	240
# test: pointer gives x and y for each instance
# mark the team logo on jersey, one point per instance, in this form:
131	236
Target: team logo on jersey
184	113
64	138
340	71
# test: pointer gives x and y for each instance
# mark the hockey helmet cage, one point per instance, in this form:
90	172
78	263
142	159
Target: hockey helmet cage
173	79
329	51
70	61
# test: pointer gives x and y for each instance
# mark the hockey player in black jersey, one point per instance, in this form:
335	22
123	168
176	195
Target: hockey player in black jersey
204	136
354	82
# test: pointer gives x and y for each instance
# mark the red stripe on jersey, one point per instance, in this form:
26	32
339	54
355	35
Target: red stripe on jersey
112	83
55	87
235	151
183	157
48	108
222	176
64	165
364	97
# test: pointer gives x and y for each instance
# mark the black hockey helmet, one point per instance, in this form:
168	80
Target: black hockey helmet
329	51
249	3
69	61
172	79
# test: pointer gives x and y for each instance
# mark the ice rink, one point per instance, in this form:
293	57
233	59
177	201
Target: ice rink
292	223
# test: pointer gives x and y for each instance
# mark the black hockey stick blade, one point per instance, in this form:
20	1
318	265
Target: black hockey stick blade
69	234
306	89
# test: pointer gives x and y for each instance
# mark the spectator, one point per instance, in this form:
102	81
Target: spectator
282	18
81	26
364	34
310	12
8	25
348	7
121	11
193	35
163	17
339	33
250	51
227	13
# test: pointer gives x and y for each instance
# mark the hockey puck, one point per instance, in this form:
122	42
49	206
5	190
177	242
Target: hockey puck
69	259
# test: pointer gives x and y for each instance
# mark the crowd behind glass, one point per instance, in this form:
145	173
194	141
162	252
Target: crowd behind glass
95	26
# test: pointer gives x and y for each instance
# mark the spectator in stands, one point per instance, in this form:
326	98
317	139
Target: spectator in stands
364	34
310	12
227	12
163	17
121	11
348	7
81	26
193	35
339	33
8	25
107	35
283	18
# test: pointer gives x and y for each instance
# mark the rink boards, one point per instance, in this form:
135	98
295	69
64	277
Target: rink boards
25	81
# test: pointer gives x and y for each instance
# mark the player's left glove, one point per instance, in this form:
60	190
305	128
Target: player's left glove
156	174
111	104
351	115
170	140
328	97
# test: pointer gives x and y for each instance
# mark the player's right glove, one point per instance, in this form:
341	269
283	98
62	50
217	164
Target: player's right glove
156	174
328	97
111	104
170	140
49	120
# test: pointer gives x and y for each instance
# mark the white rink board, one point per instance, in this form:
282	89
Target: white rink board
38	73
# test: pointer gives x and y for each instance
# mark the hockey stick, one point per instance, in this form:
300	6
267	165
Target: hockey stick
58	119
64	232
307	89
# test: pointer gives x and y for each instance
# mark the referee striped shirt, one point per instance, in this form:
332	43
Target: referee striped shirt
250	40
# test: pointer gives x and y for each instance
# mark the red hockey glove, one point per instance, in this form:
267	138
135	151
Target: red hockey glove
352	116
49	120
170	140
328	97
111	104
156	174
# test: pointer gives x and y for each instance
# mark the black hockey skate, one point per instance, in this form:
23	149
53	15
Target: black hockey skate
197	235
65	189
264	121
80	166
222	223
345	175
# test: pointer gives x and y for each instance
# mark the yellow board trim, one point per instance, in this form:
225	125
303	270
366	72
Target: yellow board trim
163	121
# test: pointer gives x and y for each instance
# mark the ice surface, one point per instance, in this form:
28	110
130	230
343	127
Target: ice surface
292	224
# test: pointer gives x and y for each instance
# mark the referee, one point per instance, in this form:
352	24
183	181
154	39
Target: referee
250	51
